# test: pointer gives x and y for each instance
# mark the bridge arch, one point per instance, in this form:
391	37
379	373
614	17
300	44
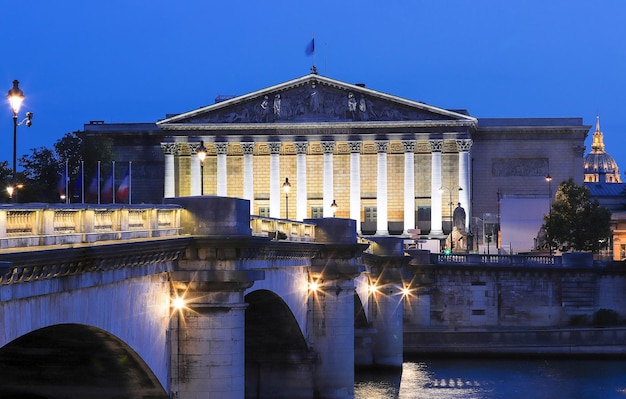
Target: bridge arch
74	361
276	353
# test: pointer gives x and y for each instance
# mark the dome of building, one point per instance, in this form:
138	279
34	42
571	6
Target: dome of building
600	167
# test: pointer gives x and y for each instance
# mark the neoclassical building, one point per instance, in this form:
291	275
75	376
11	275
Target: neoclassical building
390	163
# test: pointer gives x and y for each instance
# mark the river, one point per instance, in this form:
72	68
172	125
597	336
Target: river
444	378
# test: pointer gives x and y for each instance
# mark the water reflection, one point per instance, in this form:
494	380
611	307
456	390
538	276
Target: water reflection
497	378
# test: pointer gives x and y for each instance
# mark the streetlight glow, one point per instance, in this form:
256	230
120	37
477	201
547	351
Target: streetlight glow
334	207
15	96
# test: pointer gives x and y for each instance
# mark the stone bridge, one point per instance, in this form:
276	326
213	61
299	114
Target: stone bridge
194	298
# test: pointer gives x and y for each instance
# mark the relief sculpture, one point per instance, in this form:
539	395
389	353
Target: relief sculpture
314	102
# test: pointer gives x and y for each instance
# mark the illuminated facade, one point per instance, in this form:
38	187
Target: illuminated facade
390	163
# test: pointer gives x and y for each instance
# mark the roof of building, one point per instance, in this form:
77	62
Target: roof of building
598	161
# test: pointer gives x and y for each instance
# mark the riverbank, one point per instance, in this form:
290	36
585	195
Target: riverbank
537	342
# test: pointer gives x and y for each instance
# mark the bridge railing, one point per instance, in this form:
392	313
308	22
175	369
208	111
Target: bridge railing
282	229
495	260
44	224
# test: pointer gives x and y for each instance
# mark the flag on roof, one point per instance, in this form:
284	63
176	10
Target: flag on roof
310	48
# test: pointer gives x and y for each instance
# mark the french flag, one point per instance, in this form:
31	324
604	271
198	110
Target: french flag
123	190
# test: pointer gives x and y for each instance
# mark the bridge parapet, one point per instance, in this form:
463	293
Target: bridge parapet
25	225
495	260
282	229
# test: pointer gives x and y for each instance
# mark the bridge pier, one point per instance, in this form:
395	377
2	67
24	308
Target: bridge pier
386	266
331	307
207	333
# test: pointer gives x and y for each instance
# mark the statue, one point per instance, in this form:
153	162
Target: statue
458	218
458	233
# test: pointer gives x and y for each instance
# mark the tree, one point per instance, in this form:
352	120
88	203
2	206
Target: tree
44	168
575	221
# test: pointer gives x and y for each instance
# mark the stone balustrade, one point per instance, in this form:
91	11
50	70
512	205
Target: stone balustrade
26	225
282	229
495	260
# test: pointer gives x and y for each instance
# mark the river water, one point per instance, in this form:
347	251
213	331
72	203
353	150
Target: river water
496	379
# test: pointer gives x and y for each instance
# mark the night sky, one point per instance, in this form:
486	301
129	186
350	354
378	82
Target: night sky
136	61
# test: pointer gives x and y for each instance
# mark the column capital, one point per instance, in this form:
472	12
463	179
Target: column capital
381	145
436	145
169	148
193	147
328	147
355	146
248	148
221	148
301	147
409	145
464	145
274	147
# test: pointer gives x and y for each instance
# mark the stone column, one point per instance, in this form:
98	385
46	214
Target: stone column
355	182
409	184
329	193
382	221
248	173
222	174
194	162
275	182
169	149
436	214
301	183
464	178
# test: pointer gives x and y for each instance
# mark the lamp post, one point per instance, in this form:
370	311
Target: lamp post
549	180
286	188
334	207
201	151
16	96
450	205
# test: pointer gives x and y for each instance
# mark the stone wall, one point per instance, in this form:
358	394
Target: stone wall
488	297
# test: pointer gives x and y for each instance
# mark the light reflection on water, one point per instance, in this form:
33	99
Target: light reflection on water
497	379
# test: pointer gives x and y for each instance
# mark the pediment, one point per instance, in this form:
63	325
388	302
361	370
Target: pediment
314	98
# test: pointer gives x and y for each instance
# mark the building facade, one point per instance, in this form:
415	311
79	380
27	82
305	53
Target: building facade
392	164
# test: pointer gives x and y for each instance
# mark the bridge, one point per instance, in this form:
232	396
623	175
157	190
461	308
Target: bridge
193	298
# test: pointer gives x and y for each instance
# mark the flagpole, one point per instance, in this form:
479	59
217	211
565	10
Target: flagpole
67	184
130	182
82	181
314	59
98	172
113	182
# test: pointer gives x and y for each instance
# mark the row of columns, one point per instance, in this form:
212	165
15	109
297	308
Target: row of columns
328	147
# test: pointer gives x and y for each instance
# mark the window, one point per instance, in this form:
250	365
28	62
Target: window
264	212
370	213
317	212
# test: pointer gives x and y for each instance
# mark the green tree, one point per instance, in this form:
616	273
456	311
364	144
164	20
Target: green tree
575	221
44	168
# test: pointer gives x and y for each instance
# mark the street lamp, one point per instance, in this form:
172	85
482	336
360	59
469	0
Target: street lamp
333	207
286	188
16	96
201	151
450	204
549	180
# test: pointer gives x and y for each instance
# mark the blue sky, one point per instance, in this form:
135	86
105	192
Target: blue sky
135	61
